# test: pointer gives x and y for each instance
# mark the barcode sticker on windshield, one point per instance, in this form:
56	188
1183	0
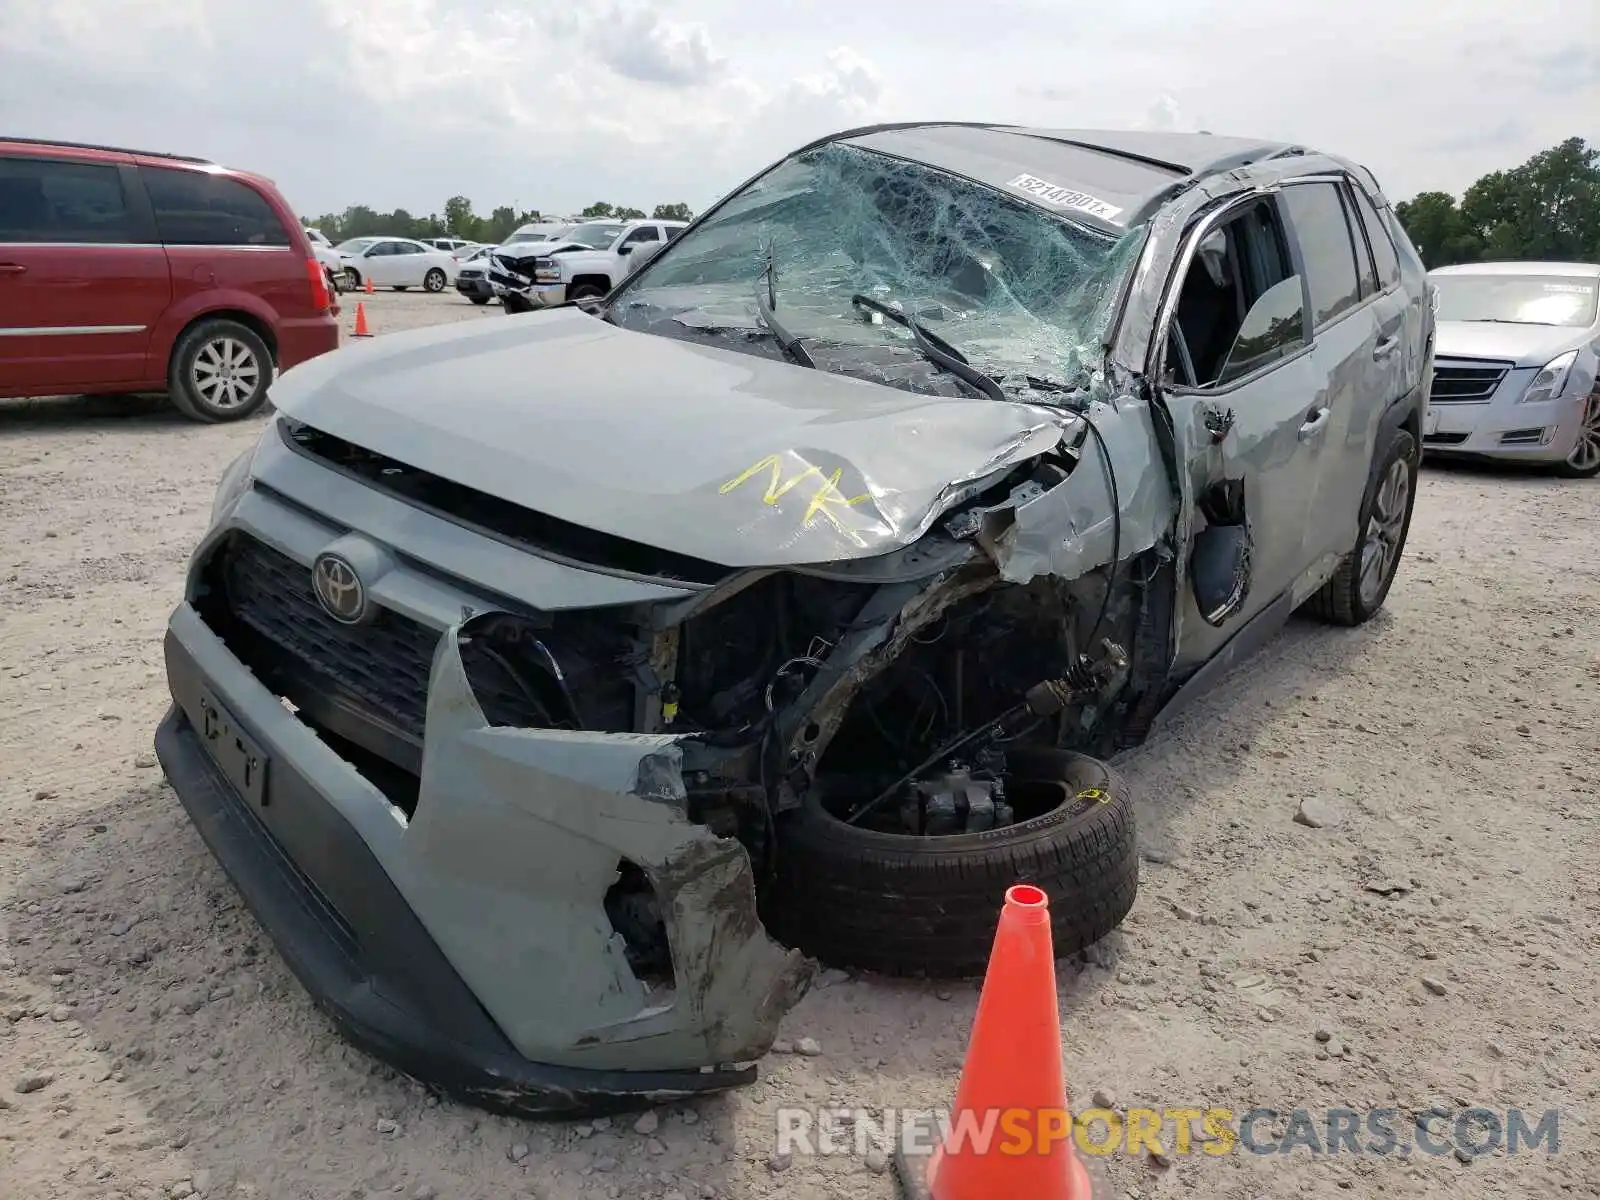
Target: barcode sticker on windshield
1057	196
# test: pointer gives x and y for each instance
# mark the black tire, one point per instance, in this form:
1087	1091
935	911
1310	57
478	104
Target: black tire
213	395
1343	600
585	291
514	303
402	287
434	280
1589	436
479	299
352	279
905	905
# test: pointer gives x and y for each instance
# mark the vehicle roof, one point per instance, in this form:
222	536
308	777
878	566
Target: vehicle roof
123	154
1108	178
1581	270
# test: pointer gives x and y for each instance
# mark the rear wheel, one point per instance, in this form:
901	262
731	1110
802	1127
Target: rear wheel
479	299
434	281
1584	461
1361	584
220	371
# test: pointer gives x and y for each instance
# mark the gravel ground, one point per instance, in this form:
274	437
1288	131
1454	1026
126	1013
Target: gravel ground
1438	928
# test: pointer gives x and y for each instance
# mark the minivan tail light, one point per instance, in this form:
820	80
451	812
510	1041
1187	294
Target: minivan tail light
320	300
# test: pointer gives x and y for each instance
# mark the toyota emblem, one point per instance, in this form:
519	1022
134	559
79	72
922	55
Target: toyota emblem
339	589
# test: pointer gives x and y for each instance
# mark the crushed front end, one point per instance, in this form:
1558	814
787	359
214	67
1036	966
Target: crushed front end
507	898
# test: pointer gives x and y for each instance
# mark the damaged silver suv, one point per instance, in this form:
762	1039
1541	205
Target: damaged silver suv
556	689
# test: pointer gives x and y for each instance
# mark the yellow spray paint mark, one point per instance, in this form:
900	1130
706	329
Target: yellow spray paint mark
828	501
1094	794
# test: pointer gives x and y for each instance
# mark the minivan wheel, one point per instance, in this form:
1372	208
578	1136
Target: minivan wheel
220	371
1584	460
906	904
1361	583
434	280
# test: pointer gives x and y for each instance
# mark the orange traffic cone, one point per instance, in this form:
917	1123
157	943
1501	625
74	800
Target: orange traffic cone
1010	1135
361	321
369	285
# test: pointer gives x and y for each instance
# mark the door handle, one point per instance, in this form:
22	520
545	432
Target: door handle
12	269
1314	422
1386	346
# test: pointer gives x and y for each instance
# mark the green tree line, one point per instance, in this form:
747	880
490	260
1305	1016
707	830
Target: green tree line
1548	208
458	220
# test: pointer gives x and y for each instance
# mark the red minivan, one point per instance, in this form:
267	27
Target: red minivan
126	271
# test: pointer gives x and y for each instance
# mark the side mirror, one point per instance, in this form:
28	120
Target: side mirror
1219	571
624	249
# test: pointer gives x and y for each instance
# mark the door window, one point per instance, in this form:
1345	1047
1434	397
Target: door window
195	208
46	200
408	248
1317	214
1241	306
645	233
1385	259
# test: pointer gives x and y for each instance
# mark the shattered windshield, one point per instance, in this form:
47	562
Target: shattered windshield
1019	292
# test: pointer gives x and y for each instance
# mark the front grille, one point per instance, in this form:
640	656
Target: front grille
1466	385
369	683
1445	439
470	273
384	665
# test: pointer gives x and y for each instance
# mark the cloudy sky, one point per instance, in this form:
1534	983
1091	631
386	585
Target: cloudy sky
551	104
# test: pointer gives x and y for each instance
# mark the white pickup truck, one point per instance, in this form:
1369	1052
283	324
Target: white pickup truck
590	259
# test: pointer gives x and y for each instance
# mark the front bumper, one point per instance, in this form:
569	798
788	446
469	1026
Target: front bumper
406	932
475	285
1504	429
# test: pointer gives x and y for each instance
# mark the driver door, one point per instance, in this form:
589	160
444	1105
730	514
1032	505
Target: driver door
380	262
1241	384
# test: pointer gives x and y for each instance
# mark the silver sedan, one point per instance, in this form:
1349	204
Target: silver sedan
1516	364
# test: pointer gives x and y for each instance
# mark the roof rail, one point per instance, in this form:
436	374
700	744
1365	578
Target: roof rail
24	141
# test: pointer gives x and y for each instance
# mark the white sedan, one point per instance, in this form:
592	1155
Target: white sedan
397	263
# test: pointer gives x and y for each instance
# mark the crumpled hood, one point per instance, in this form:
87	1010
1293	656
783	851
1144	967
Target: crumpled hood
723	456
1525	345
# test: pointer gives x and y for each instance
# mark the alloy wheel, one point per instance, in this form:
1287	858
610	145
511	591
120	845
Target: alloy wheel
225	373
1585	455
1380	549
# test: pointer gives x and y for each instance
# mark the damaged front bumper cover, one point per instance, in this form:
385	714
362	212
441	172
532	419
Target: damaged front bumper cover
469	946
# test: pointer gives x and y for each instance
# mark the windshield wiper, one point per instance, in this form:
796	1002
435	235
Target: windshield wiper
766	301
934	348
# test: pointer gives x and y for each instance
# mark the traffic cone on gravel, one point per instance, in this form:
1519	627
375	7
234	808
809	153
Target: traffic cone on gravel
1012	1082
361	321
369	285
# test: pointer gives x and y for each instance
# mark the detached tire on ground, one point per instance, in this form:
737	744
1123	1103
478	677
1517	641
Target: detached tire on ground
220	371
912	905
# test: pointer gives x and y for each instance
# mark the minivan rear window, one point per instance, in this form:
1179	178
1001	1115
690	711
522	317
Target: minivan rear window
48	200
194	208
